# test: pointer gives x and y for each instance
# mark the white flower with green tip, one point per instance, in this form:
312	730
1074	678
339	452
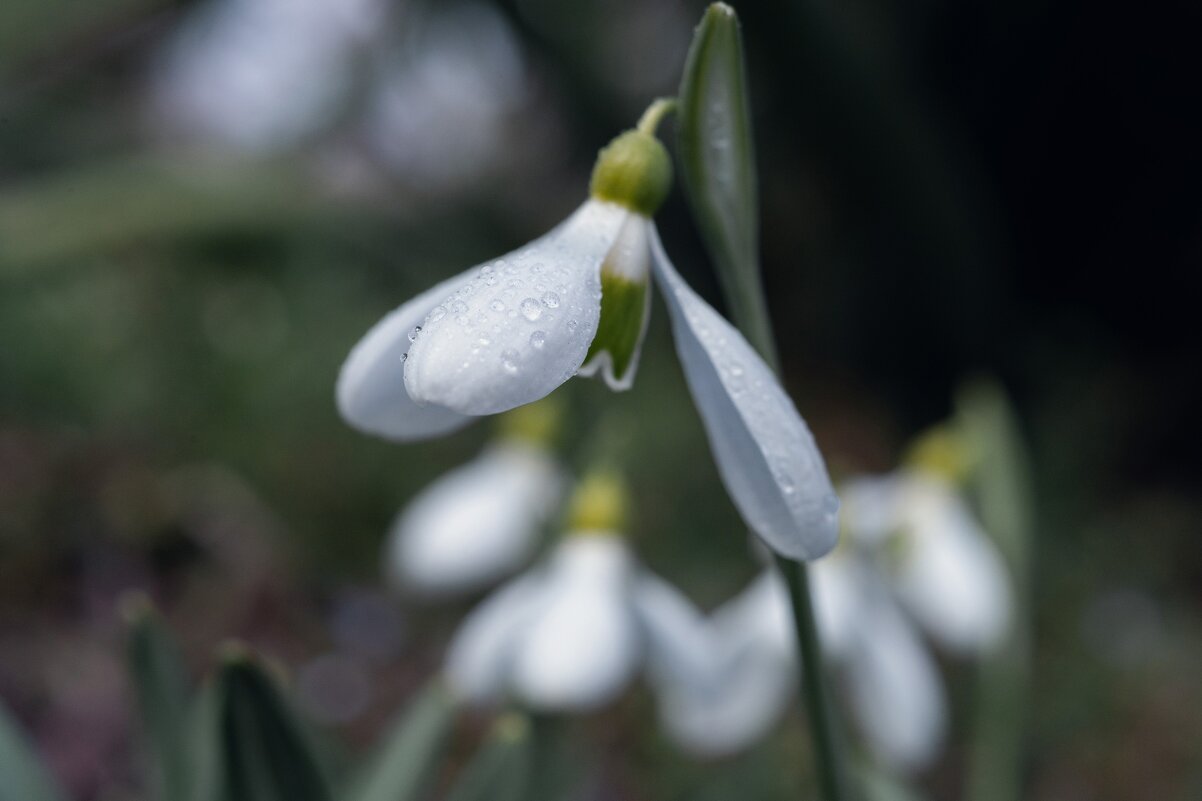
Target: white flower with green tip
942	565
572	633
577	300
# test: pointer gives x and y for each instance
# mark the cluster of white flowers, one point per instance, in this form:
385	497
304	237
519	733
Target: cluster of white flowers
433	95
914	558
571	633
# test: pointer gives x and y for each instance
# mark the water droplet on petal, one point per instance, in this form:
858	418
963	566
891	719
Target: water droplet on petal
437	314
497	306
551	300
530	309
509	360
572	325
538	339
417	329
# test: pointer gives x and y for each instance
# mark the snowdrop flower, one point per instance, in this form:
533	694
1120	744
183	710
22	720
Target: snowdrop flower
892	683
258	75
944	568
480	521
572	633
578	300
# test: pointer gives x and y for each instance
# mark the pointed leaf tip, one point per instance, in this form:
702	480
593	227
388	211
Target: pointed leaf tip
717	165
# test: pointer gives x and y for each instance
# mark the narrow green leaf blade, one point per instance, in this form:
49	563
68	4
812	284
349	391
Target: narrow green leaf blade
402	768
22	777
1002	484
160	683
251	747
500	770
717	159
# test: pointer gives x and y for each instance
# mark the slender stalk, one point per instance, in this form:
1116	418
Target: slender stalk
828	754
655	114
828	751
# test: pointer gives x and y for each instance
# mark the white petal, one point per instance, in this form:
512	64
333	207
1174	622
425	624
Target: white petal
522	326
480	656
764	452
751	675
871	508
744	703
628	260
953	578
759	614
476	523
679	641
371	386
896	692
839	584
583	645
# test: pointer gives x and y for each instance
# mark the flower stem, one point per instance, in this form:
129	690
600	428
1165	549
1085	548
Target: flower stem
752	320
655	114
827	751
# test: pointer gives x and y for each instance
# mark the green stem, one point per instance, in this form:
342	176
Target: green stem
752	319
827	751
655	114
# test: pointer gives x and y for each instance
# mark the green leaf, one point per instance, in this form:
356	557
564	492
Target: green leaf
160	683
1001	481
402	768
22	777
501	769
717	162
250	746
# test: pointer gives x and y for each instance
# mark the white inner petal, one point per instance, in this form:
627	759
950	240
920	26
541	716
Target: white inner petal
475	523
582	646
522	325
896	691
371	385
953	578
764	451
481	653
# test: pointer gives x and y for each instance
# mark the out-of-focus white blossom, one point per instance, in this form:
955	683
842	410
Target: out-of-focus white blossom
572	633
476	523
892	684
913	553
259	75
943	566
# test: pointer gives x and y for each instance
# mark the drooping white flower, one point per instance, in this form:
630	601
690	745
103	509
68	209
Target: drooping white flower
476	523
892	684
258	75
943	566
577	300
571	634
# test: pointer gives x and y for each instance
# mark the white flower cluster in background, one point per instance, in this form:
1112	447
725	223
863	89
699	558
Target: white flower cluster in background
914	561
437	96
573	631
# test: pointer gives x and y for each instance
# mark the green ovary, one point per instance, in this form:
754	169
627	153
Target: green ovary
623	306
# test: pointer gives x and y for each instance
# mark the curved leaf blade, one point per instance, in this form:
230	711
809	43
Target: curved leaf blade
160	683
402	769
717	157
22	777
